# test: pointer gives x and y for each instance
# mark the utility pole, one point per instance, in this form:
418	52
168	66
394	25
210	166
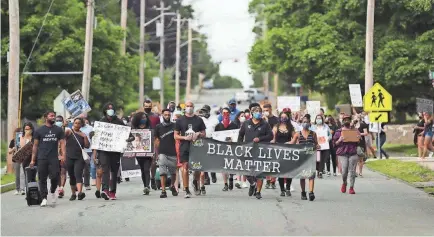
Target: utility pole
14	72
369	54
162	41
276	88
124	16
265	74
142	53
178	56
189	60
88	51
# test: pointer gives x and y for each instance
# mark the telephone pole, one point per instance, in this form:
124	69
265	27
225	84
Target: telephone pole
124	16
142	53
162	41
88	51
14	72
178	55
189	60
265	74
276	88
369	54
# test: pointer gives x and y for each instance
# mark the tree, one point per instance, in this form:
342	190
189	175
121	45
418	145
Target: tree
227	82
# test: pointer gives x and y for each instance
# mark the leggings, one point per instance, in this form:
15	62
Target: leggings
282	184
75	171
324	154
145	167
333	159
48	168
349	164
110	162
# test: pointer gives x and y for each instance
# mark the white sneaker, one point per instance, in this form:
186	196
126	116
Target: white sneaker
53	198
44	202
16	192
245	185
430	154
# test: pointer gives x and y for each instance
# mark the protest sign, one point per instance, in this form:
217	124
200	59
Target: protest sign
292	102
356	95
424	105
323	138
143	145
226	136
313	108
110	137
129	166
76	104
260	160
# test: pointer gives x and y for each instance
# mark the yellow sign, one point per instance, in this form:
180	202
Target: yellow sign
378	117
377	99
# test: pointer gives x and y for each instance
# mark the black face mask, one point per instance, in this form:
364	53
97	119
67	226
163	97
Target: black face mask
166	120
51	121
347	124
206	115
148	110
171	108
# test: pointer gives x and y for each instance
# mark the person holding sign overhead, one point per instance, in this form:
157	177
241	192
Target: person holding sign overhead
346	141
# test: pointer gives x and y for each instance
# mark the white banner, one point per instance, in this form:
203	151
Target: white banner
226	136
110	137
356	95
292	102
313	108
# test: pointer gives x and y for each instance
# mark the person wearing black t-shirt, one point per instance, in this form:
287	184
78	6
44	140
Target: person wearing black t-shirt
273	121
45	149
189	128
227	124
167	160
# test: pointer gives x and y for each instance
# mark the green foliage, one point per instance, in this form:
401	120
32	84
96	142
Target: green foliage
227	82
321	44
407	171
3	152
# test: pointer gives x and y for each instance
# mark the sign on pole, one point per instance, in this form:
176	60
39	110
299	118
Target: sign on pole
377	99
424	105
356	95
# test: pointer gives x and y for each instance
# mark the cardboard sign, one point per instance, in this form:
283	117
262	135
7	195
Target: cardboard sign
351	135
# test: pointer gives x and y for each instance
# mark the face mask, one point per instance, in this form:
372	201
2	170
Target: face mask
305	125
266	114
143	121
242	119
110	112
283	120
28	132
232	108
148	110
347	124
171	108
257	115
189	110
166	120
319	121
59	124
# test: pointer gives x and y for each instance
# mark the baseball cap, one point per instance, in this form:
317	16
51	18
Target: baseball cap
232	101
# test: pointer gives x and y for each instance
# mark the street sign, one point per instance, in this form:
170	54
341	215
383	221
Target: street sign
377	99
378	117
296	85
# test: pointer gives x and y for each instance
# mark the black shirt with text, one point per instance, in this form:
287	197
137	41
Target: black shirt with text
186	126
48	141
167	140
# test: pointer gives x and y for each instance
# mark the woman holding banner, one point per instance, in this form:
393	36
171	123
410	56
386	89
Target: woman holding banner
283	132
306	136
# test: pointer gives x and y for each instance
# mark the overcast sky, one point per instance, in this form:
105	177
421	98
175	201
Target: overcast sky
228	27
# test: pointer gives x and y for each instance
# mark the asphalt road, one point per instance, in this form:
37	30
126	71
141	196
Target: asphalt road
380	207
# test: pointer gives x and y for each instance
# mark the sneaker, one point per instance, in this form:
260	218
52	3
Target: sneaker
187	193
119	180
430	154
88	188
105	194
53	198
196	188
44	202
153	184
73	197
344	188
213	178
202	190
273	186
282	193
207	181
238	185
163	194
320	175
225	188
252	189
351	191
267	185
245	185
334	174
292	189
97	194
288	193
174	191
303	196
127	179
112	195
146	191
61	193
311	196
258	195
23	192
231	183
328	174
16	192
81	196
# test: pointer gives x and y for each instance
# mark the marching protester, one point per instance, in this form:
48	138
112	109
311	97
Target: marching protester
28	132
110	161
167	161
419	134
14	146
255	130
154	120
225	125
306	136
247	114
283	133
232	104
347	155
241	179
205	114
240	118
273	121
179	172
427	134
324	153
89	168
331	123
75	142
45	148
383	130
141	121
98	169
60	122
188	129
363	128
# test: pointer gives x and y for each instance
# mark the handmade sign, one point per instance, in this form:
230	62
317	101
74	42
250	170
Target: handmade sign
226	136
110	137
76	104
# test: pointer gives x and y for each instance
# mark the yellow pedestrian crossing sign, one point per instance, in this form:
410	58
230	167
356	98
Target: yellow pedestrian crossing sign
377	99
378	117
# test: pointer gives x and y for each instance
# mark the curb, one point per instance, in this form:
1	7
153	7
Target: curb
7	187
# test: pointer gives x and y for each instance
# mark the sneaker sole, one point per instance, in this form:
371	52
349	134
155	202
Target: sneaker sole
105	196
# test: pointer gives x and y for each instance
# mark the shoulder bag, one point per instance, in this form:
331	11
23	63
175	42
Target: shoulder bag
86	157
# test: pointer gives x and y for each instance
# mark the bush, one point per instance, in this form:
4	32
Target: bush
3	152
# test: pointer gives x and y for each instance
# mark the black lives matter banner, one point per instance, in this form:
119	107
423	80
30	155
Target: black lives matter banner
253	159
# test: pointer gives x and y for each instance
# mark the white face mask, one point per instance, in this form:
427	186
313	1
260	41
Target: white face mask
189	110
110	112
266	113
242	119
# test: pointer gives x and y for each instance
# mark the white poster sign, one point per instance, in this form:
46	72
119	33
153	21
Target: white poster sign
323	138
313	108
110	137
292	102
226	136
356	95
373	127
142	143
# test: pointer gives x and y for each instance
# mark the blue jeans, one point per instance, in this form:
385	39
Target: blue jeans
382	141
92	166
